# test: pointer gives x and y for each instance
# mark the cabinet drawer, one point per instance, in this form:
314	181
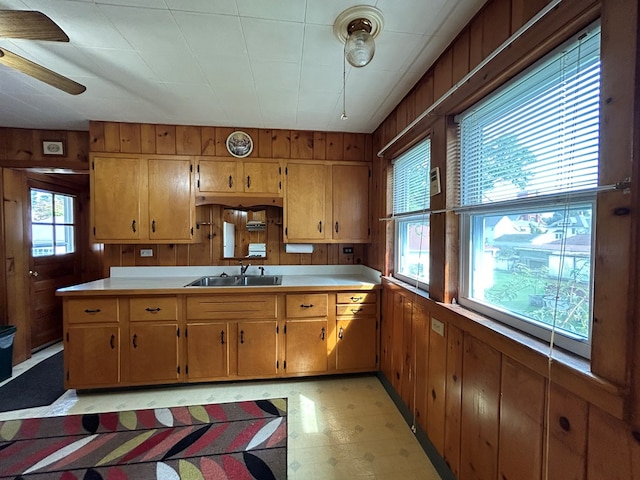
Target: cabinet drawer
232	307
361	310
310	305
142	309
92	310
356	297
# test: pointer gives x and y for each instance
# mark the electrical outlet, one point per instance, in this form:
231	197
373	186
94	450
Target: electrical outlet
347	250
437	326
146	252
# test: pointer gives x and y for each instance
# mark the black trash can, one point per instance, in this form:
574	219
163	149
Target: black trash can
7	332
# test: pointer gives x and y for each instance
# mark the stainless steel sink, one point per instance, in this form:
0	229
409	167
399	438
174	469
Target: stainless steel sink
237	281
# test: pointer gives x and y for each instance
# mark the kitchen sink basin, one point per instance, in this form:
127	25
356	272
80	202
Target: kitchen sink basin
236	281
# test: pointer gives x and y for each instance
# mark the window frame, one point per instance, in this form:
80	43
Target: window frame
74	224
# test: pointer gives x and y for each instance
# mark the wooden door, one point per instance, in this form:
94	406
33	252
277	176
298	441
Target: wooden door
153	352
262	177
356	344
257	348
54	254
350	203
306	346
171	199
208	350
92	356
116	199
218	176
305	214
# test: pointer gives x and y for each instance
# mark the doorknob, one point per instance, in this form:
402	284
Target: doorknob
33	273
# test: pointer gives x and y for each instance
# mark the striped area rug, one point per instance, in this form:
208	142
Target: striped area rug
241	440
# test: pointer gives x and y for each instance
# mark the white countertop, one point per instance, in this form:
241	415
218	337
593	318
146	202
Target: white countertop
175	279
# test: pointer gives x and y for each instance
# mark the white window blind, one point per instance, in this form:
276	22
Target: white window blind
539	134
411	180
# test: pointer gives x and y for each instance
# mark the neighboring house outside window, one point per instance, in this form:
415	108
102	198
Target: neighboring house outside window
52	223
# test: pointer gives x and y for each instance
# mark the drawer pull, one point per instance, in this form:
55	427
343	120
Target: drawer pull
340	333
153	226
303	305
222	337
320	226
356	299
133	226
241	336
356	310
248	181
336	227
92	311
230	181
112	341
134	341
322	335
153	310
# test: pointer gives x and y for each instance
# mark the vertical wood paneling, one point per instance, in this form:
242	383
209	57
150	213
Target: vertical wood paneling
96	136
402	116
20	145
147	138
333	256
523	10
319	146
443	74
281	143
353	147
254	133
112	137
614	448
319	255
130	137
77	147
386	333
301	144
421	375
568	417
496	26
436	386
389	128
188	140
335	146
460	57
208	140
165	139
475	41
480	411
424	94
397	336
453	403
521	422
222	133
408	345
166	254
265	150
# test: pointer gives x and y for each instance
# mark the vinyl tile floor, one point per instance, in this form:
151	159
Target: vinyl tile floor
339	427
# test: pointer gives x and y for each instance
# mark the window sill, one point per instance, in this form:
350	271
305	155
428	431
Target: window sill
565	369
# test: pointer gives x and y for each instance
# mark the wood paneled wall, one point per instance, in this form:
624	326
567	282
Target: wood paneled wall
113	137
22	148
497	389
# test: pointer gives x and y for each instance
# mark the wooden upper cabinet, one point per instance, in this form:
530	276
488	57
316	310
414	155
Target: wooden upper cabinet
136	199
350	202
255	177
327	202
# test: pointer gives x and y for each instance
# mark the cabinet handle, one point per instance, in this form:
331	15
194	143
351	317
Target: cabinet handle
306	306
230	181
222	337
153	310
248	181
353	310
322	335
133	226
356	299
112	341
153	226
320	226
336	227
241	336
135	340
90	311
340	333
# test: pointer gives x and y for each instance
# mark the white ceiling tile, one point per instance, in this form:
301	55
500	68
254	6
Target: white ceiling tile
155	4
287	10
411	16
223	7
321	79
273	41
276	76
227	71
325	12
321	47
207	34
174	68
394	51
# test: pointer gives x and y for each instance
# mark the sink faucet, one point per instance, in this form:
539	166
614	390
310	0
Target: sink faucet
243	268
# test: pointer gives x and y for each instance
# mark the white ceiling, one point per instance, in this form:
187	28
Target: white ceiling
238	63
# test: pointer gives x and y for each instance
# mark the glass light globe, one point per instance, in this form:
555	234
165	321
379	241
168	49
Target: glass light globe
359	48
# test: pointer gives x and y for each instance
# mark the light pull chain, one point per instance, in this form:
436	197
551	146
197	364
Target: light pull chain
344	82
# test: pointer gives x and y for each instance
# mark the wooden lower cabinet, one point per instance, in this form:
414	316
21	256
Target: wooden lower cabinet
164	339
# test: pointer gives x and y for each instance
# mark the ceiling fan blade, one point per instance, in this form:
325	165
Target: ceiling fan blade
30	25
39	72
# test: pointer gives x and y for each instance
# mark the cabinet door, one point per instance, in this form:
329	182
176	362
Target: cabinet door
350	203
257	349
153	352
171	199
219	176
356	344
305	212
115	198
262	177
306	346
92	356
208	350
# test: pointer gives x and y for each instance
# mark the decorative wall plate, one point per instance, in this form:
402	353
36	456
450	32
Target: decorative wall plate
239	144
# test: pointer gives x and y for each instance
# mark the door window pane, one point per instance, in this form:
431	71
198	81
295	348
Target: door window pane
52	223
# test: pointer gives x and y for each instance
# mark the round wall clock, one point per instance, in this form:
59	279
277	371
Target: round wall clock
239	144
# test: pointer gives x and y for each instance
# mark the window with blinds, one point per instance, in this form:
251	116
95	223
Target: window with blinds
528	175
410	210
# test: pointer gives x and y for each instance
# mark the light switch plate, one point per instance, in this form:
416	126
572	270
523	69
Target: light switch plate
437	326
146	252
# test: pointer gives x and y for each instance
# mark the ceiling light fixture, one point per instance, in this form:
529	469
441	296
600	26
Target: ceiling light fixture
356	28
